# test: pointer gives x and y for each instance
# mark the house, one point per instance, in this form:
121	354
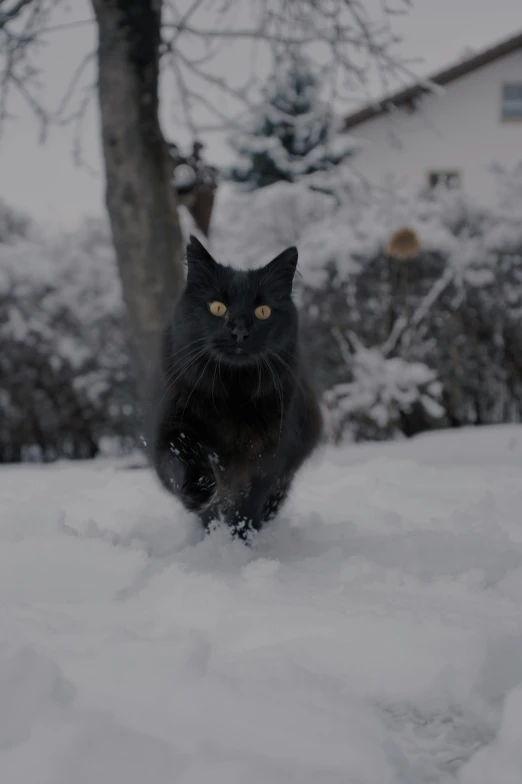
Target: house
450	136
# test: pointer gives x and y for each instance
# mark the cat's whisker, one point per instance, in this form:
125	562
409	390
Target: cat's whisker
259	378
182	362
213	382
277	385
186	352
187	355
281	398
219	371
193	388
172	380
182	367
290	369
258	389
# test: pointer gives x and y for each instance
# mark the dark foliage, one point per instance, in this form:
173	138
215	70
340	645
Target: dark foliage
466	327
64	370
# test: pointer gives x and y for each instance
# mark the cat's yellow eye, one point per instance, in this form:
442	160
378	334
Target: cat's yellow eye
262	312
217	308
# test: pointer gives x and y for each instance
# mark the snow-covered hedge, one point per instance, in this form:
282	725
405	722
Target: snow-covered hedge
63	364
397	346
383	394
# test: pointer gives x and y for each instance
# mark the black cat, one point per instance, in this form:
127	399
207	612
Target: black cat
235	415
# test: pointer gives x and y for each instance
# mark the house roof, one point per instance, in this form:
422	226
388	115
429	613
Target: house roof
408	96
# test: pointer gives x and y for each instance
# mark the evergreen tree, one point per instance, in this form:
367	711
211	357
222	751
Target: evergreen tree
293	133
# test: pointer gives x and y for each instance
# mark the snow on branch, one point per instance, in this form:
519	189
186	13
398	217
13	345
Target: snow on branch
380	392
402	324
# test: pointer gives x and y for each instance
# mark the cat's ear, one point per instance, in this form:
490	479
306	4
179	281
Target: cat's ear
198	256
283	267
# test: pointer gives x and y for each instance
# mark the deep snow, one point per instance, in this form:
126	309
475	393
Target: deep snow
372	636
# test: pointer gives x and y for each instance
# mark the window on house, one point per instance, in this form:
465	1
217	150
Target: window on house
449	179
512	101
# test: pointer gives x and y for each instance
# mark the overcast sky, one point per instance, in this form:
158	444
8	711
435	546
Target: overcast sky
43	179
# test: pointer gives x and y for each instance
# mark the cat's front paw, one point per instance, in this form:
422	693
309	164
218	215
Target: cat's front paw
198	491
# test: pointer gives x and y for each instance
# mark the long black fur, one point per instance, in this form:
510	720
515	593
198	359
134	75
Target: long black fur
234	418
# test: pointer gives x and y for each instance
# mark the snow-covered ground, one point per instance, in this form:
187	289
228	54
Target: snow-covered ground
372	636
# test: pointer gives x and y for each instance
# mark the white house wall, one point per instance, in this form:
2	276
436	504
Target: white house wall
462	129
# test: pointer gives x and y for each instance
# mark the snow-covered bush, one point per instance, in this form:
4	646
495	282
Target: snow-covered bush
396	346
64	370
13	224
455	308
384	397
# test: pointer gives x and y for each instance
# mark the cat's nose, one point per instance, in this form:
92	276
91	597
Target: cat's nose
240	332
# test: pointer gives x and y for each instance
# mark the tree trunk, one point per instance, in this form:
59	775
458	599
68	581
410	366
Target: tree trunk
139	196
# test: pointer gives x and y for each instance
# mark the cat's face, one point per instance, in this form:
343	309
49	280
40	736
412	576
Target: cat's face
239	316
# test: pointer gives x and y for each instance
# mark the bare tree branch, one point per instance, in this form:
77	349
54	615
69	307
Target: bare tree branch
21	26
77	120
186	96
24	29
73	83
348	44
67	26
13	12
402	324
180	24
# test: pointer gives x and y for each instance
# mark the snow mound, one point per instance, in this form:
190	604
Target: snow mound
372	635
